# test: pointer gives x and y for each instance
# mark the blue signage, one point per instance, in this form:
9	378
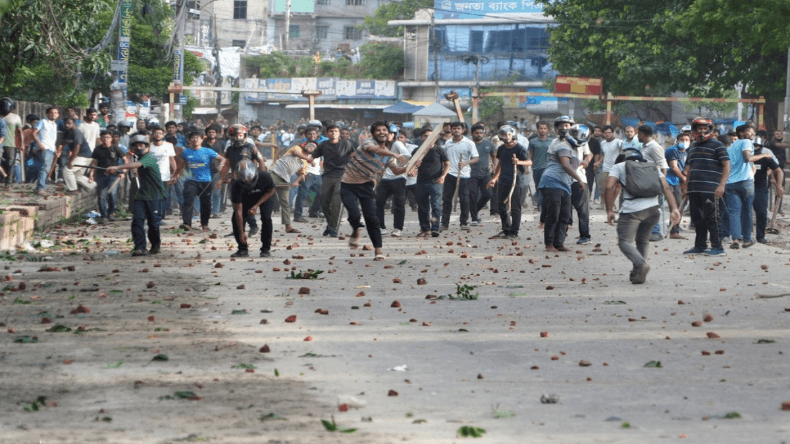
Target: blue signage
470	9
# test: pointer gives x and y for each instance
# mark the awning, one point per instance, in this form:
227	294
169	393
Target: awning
435	110
403	108
338	106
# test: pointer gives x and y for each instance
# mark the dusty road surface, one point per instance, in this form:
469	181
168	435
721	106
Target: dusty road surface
191	346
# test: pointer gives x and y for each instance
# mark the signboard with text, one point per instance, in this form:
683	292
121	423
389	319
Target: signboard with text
290	89
471	9
578	85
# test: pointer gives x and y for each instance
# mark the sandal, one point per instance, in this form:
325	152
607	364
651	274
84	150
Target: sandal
353	243
379	257
293	230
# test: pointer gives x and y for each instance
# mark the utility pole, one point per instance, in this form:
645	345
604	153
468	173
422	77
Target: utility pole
435	53
124	37
178	62
218	73
287	23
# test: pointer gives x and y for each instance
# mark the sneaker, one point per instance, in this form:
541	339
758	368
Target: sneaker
583	241
735	245
300	219
253	231
102	221
465	227
500	235
435	233
726	240
111	218
333	233
748	243
241	253
762	241
136	253
266	253
695	250
214	215
326	231
155	250
397	233
474	223
715	252
512	236
384	231
655	237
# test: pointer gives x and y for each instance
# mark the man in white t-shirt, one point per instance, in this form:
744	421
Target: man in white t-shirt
638	215
45	134
164	153
393	185
461	153
90	129
610	149
580	197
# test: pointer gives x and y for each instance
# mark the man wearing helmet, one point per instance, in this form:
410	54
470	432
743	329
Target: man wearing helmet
251	190
707	169
638	213
556	183
239	148
511	156
149	199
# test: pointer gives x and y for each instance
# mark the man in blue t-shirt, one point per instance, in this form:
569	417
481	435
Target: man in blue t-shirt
739	192
198	160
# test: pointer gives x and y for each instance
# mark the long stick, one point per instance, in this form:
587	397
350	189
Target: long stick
114	185
510	195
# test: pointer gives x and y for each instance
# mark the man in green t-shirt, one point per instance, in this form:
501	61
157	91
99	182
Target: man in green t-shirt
149	200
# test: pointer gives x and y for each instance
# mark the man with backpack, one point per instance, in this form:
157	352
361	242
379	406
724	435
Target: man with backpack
642	182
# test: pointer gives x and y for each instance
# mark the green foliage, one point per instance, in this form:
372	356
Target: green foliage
381	61
700	47
393	10
471	432
719	109
333	427
273	65
491	107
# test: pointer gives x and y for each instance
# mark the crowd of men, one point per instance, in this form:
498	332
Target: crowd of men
334	168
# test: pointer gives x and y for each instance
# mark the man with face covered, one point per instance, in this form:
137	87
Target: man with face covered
149	199
676	160
251	190
239	148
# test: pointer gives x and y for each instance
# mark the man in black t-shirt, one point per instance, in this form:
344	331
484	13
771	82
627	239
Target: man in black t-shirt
106	155
778	146
336	153
510	154
595	148
762	184
251	189
432	170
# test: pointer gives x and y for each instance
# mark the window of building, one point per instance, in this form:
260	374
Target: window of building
321	32
294	31
355	2
323	2
352	33
240	9
239	43
476	41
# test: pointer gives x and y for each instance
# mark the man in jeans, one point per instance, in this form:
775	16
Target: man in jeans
638	215
335	151
739	191
393	185
431	171
45	134
539	155
312	179
106	155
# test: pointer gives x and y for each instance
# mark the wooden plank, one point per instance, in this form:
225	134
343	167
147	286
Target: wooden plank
423	149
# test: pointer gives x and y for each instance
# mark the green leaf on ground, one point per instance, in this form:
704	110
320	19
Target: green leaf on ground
276	373
245	366
25	340
614	302
765	341
33	406
329	426
626	425
21	301
272	416
116	292
419	421
114	364
156	302
471	432
239	312
402	262
309	355
59	329
732	415
161	357
463	330
178	395
517	295
654	364
501	414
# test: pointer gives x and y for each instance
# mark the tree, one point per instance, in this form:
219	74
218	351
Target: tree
393	10
381	61
700	47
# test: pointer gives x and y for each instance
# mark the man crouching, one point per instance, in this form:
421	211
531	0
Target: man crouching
251	189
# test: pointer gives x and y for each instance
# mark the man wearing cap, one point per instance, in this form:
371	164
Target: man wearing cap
149	199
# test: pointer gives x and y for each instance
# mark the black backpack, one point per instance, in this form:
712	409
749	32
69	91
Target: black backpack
642	179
